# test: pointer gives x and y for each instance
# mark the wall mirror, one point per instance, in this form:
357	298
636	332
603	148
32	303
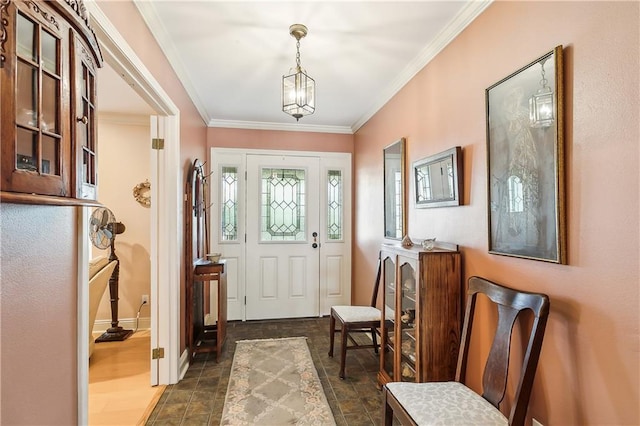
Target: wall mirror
438	179
395	219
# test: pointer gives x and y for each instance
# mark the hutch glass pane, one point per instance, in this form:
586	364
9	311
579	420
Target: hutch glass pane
26	39
49	45
49	104
27	142
27	95
389	315
407	326
50	159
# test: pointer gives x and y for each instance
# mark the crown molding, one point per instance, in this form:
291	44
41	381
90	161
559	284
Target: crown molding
158	30
289	127
470	12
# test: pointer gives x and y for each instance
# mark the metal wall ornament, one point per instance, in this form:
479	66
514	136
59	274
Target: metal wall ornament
142	193
525	162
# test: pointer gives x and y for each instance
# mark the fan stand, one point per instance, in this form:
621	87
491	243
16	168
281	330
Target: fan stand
115	333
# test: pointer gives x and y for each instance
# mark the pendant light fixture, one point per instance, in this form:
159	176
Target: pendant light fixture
298	89
541	108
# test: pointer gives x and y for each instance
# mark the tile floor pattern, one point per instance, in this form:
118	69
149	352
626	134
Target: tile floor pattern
198	399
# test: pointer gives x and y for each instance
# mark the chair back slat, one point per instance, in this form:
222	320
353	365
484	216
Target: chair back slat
510	303
494	382
376	286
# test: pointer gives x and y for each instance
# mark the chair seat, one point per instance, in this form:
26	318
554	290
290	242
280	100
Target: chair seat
445	403
357	313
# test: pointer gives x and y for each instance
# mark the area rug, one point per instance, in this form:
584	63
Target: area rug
274	382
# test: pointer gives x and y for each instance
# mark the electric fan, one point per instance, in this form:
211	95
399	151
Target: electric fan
103	229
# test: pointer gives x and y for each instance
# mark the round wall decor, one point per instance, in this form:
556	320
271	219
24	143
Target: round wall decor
142	193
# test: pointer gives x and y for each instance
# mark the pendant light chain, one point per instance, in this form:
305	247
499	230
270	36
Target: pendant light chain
298	54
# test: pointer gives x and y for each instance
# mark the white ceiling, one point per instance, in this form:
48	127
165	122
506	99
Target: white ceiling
231	55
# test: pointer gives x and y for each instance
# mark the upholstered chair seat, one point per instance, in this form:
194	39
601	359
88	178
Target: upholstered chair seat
445	403
357	313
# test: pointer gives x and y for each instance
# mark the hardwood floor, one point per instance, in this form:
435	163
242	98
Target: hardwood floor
119	389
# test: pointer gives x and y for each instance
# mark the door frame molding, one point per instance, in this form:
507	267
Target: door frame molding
166	216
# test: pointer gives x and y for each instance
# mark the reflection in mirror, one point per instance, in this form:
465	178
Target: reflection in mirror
394	200
438	180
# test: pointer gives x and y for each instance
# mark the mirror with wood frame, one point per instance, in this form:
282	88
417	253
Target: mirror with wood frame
395	209
438	179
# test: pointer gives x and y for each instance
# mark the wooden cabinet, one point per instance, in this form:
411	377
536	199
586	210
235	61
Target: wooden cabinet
421	314
49	58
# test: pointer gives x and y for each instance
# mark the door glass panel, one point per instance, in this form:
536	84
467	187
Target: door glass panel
229	203
26	148
26	39
334	205
26	99
49	45
283	200
49	104
407	323
50	156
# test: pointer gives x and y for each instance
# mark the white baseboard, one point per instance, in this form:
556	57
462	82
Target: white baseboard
184	364
100	326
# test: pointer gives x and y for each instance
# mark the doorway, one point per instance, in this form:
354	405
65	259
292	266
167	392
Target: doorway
282	221
165	217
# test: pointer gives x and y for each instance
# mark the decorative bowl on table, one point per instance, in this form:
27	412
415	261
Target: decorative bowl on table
214	257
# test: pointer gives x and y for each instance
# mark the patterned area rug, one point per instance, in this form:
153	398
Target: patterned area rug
274	382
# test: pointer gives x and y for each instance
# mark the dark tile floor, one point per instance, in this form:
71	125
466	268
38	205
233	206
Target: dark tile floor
198	399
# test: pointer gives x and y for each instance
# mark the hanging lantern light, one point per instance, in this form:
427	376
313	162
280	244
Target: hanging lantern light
541	107
298	89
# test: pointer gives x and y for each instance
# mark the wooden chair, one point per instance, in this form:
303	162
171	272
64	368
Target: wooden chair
453	402
355	319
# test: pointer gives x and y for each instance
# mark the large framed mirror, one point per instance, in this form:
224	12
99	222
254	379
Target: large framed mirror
438	179
395	208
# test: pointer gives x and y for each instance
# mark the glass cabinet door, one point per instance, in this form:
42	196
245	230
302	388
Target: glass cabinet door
388	352
38	86
407	325
85	121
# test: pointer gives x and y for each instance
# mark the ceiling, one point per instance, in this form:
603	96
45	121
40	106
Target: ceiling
231	56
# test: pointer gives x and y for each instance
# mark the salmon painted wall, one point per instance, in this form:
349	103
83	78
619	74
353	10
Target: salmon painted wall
125	16
282	140
589	368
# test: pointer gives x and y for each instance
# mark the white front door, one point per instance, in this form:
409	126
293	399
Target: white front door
282	248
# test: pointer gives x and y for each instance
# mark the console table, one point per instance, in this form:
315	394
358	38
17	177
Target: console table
201	337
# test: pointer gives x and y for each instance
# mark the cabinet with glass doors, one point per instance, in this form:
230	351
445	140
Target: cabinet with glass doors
49	58
422	314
